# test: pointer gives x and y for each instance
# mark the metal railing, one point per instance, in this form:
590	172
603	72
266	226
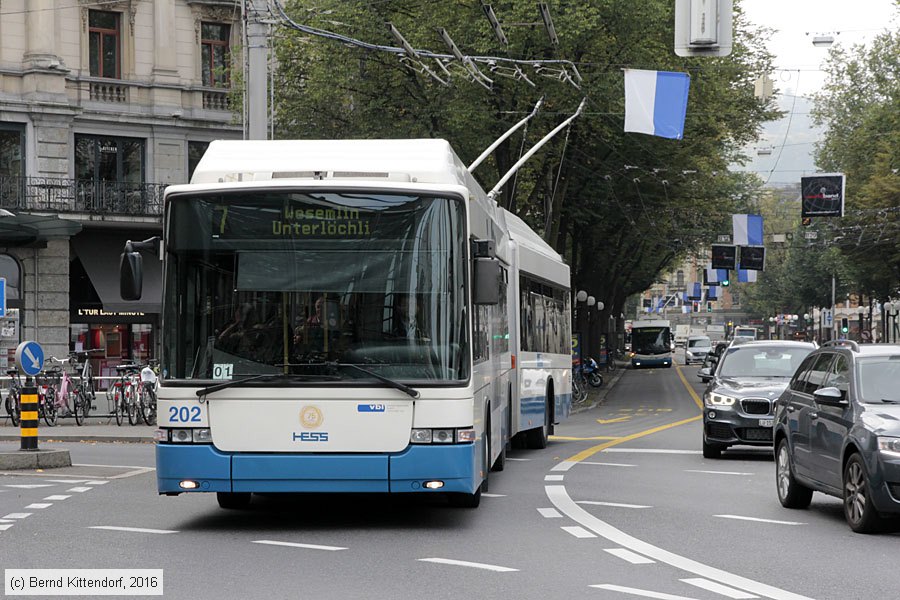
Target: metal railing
81	196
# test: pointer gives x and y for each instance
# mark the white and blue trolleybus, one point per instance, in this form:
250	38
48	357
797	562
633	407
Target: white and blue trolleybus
651	343
350	316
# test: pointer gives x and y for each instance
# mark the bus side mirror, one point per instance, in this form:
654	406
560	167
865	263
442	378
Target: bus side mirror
486	284
131	276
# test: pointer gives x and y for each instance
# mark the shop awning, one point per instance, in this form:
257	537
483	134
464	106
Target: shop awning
99	253
33	230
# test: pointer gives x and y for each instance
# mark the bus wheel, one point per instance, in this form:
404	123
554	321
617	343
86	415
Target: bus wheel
233	500
536	439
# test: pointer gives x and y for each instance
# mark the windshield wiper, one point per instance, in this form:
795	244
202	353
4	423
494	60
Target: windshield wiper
391	382
262	376
889	401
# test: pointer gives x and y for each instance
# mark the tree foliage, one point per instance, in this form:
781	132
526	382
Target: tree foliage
860	105
621	207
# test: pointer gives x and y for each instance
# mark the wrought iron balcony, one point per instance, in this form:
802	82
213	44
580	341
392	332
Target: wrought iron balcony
47	194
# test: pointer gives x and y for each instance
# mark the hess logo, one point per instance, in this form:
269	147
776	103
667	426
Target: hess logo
311	436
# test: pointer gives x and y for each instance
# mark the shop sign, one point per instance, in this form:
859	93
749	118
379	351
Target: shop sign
99	312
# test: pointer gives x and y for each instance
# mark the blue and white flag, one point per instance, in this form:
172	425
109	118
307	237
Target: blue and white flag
656	102
714	276
747	230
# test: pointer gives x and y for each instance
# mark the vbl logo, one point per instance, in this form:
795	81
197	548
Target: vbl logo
311	436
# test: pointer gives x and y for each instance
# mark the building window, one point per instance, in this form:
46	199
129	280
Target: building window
214	54
103	36
679	278
195	153
102	158
12	164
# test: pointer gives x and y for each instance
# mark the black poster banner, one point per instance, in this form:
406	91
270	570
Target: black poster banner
724	256
753	258
822	195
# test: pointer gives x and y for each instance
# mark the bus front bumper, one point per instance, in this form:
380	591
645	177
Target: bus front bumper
207	469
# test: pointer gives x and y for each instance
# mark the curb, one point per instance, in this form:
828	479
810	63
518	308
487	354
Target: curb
34	459
596	399
84	438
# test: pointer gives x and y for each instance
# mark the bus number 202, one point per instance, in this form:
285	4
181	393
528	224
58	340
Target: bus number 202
184	414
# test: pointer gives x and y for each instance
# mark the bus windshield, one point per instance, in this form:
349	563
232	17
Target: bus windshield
269	282
650	340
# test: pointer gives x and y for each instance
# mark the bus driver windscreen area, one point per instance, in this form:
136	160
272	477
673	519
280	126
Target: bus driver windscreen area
270	283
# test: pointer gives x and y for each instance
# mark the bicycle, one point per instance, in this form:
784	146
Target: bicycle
13	393
147	399
579	385
66	390
124	395
84	390
47	397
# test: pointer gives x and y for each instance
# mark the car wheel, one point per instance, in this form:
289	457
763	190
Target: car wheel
791	493
858	508
712	450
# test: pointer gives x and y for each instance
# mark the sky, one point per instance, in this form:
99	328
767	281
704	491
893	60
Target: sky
790	141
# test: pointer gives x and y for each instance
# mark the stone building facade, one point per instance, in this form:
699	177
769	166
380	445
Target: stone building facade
102	105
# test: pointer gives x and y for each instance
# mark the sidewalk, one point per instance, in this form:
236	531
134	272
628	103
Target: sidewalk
101	429
596	396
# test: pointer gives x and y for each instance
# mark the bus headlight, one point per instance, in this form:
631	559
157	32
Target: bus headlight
465	436
420	436
202	436
442	436
181	436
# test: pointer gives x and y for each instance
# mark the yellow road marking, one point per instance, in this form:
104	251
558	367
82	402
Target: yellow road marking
580	439
689	388
616	420
585	454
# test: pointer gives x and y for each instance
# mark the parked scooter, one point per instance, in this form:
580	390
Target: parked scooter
591	371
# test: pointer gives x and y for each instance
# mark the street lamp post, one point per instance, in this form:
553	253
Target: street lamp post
580	319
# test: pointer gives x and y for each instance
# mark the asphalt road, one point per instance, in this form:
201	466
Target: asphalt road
620	505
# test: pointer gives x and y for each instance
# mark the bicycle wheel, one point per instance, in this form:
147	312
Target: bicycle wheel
132	404
79	406
148	406
611	364
118	405
12	406
50	414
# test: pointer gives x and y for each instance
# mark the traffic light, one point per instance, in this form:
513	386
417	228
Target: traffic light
709	307
725	282
845	325
695	306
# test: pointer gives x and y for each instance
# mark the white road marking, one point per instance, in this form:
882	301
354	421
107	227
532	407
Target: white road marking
464	563
486	495
79	489
564	465
96	482
637	592
5	527
605	464
28	486
132	529
632	557
132	473
717	472
57	497
40	505
68	480
614	504
17	516
718	588
561	500
6	521
550	513
740	518
518	459
296	545
651	451
553	477
579	532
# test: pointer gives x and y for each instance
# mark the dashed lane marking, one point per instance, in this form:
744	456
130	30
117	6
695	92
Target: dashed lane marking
4	526
652	450
579	532
464	563
606	464
613	504
40	505
27	486
132	529
717	472
97	482
68	480
17	516
553	477
298	545
57	497
718	588
549	513
79	489
757	520
632	557
637	592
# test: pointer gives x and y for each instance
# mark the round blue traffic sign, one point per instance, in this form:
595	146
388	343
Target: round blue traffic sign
30	358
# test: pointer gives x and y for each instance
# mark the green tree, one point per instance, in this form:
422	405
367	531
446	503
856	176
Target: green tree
621	207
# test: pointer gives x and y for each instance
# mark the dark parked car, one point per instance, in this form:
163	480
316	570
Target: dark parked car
739	401
837	431
713	357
